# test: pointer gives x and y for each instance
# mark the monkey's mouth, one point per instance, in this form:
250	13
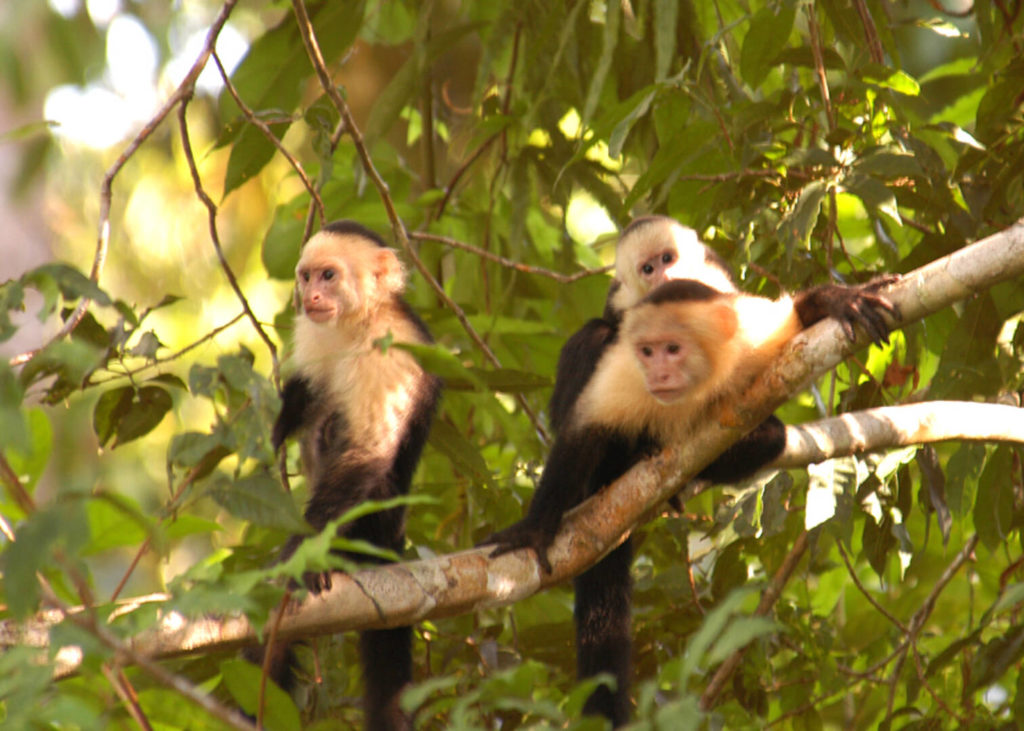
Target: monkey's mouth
319	314
668	395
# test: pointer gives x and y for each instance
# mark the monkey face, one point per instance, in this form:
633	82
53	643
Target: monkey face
344	276
672	366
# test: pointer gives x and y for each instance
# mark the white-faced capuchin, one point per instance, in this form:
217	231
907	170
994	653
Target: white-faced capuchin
364	414
592	449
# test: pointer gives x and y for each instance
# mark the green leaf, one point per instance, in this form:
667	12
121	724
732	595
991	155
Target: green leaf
109	409
12	298
888	164
115	522
634	109
59	526
27	443
894	79
405	87
194	449
260	499
70	360
993	507
609	42
769	33
72	283
147	346
141	415
283	242
996	658
243	682
796	226
250	153
875	195
464	456
271	77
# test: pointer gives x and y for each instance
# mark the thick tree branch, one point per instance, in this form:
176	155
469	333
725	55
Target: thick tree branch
407	593
900	426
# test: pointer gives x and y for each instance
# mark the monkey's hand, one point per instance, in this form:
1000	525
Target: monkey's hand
524	534
851	305
315	581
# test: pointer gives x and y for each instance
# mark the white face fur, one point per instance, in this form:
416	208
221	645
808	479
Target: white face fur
659	250
340	276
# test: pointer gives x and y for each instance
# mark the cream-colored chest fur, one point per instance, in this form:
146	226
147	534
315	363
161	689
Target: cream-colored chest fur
374	390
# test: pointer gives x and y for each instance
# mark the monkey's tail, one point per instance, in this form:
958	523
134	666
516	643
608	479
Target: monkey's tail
387	670
603	634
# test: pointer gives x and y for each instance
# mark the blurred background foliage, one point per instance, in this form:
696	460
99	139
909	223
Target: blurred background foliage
805	141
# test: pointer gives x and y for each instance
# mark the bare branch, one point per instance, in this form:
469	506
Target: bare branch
211	209
889	427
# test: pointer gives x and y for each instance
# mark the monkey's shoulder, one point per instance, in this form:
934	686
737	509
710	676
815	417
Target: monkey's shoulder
576	364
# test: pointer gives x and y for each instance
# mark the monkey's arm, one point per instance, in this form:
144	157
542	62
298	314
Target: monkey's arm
295	401
849	305
576	364
567	472
749	454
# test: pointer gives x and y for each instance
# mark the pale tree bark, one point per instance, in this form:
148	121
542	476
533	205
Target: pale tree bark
453	584
889	427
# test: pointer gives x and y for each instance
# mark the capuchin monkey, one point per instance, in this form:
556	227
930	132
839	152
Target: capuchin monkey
608	418
364	413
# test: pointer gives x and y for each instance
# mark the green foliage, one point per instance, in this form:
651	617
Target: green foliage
136	452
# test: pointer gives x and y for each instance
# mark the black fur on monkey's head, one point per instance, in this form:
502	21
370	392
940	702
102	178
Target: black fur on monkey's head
346	226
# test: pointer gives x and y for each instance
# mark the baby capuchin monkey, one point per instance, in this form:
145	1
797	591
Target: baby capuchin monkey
692	338
364	413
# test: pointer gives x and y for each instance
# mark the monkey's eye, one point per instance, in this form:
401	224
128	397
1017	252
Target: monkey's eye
647	351
647	268
672	348
328	274
305	276
667	257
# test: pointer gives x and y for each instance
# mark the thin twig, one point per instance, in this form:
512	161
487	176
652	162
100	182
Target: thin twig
184	91
510	263
173	356
87	621
269	134
867	595
211	209
870	32
819	64
399	229
15	489
119	682
768	599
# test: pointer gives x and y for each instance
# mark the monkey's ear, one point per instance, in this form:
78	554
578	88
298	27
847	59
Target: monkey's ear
388	270
725	319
